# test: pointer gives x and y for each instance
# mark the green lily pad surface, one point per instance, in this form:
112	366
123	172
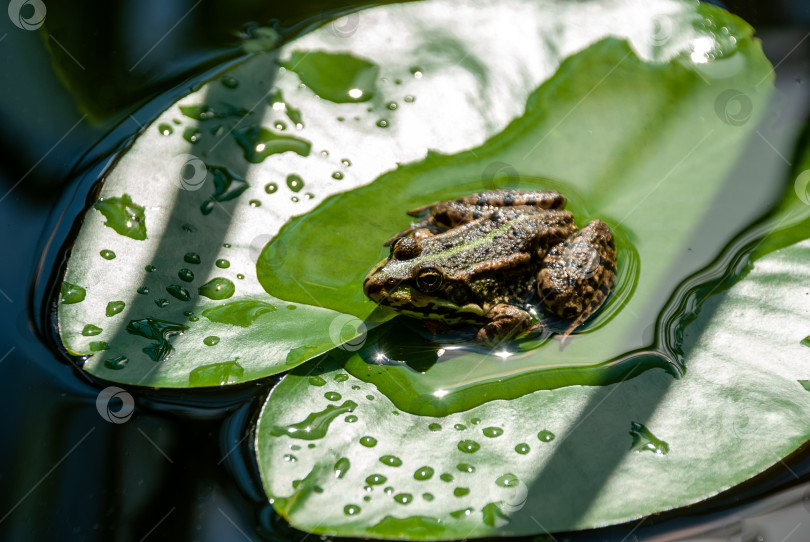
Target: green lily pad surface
644	141
229	242
652	167
169	249
183	215
558	460
339	457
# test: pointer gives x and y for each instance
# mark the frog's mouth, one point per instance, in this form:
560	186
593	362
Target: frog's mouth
412	302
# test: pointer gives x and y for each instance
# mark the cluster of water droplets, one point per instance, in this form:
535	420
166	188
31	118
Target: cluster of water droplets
421	484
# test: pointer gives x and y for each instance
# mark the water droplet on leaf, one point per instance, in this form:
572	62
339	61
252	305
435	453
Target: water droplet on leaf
545	435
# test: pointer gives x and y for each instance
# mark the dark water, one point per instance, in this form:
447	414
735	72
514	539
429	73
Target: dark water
180	468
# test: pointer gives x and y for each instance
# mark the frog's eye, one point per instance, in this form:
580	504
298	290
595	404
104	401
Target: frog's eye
406	248
429	279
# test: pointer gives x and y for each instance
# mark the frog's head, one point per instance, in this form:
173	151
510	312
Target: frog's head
416	284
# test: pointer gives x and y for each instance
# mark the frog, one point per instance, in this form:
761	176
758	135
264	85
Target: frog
506	261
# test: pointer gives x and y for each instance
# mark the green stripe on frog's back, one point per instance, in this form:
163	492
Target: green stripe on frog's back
393	268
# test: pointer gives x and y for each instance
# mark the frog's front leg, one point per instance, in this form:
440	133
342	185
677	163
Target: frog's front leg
505	321
578	274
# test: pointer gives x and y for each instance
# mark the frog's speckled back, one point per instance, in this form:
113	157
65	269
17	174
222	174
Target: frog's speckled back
497	237
484	256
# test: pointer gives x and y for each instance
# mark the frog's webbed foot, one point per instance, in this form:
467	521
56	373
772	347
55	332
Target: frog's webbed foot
578	274
598	299
448	214
506	321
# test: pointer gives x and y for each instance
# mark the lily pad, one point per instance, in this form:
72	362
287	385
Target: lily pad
574	457
203	189
555	460
214	177
652	169
566	459
218	173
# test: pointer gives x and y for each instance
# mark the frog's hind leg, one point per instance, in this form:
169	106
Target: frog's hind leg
539	199
417	231
578	274
598	299
443	215
449	214
452	213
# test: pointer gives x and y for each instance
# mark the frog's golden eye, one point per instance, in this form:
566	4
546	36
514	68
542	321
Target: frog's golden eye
429	279
406	248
